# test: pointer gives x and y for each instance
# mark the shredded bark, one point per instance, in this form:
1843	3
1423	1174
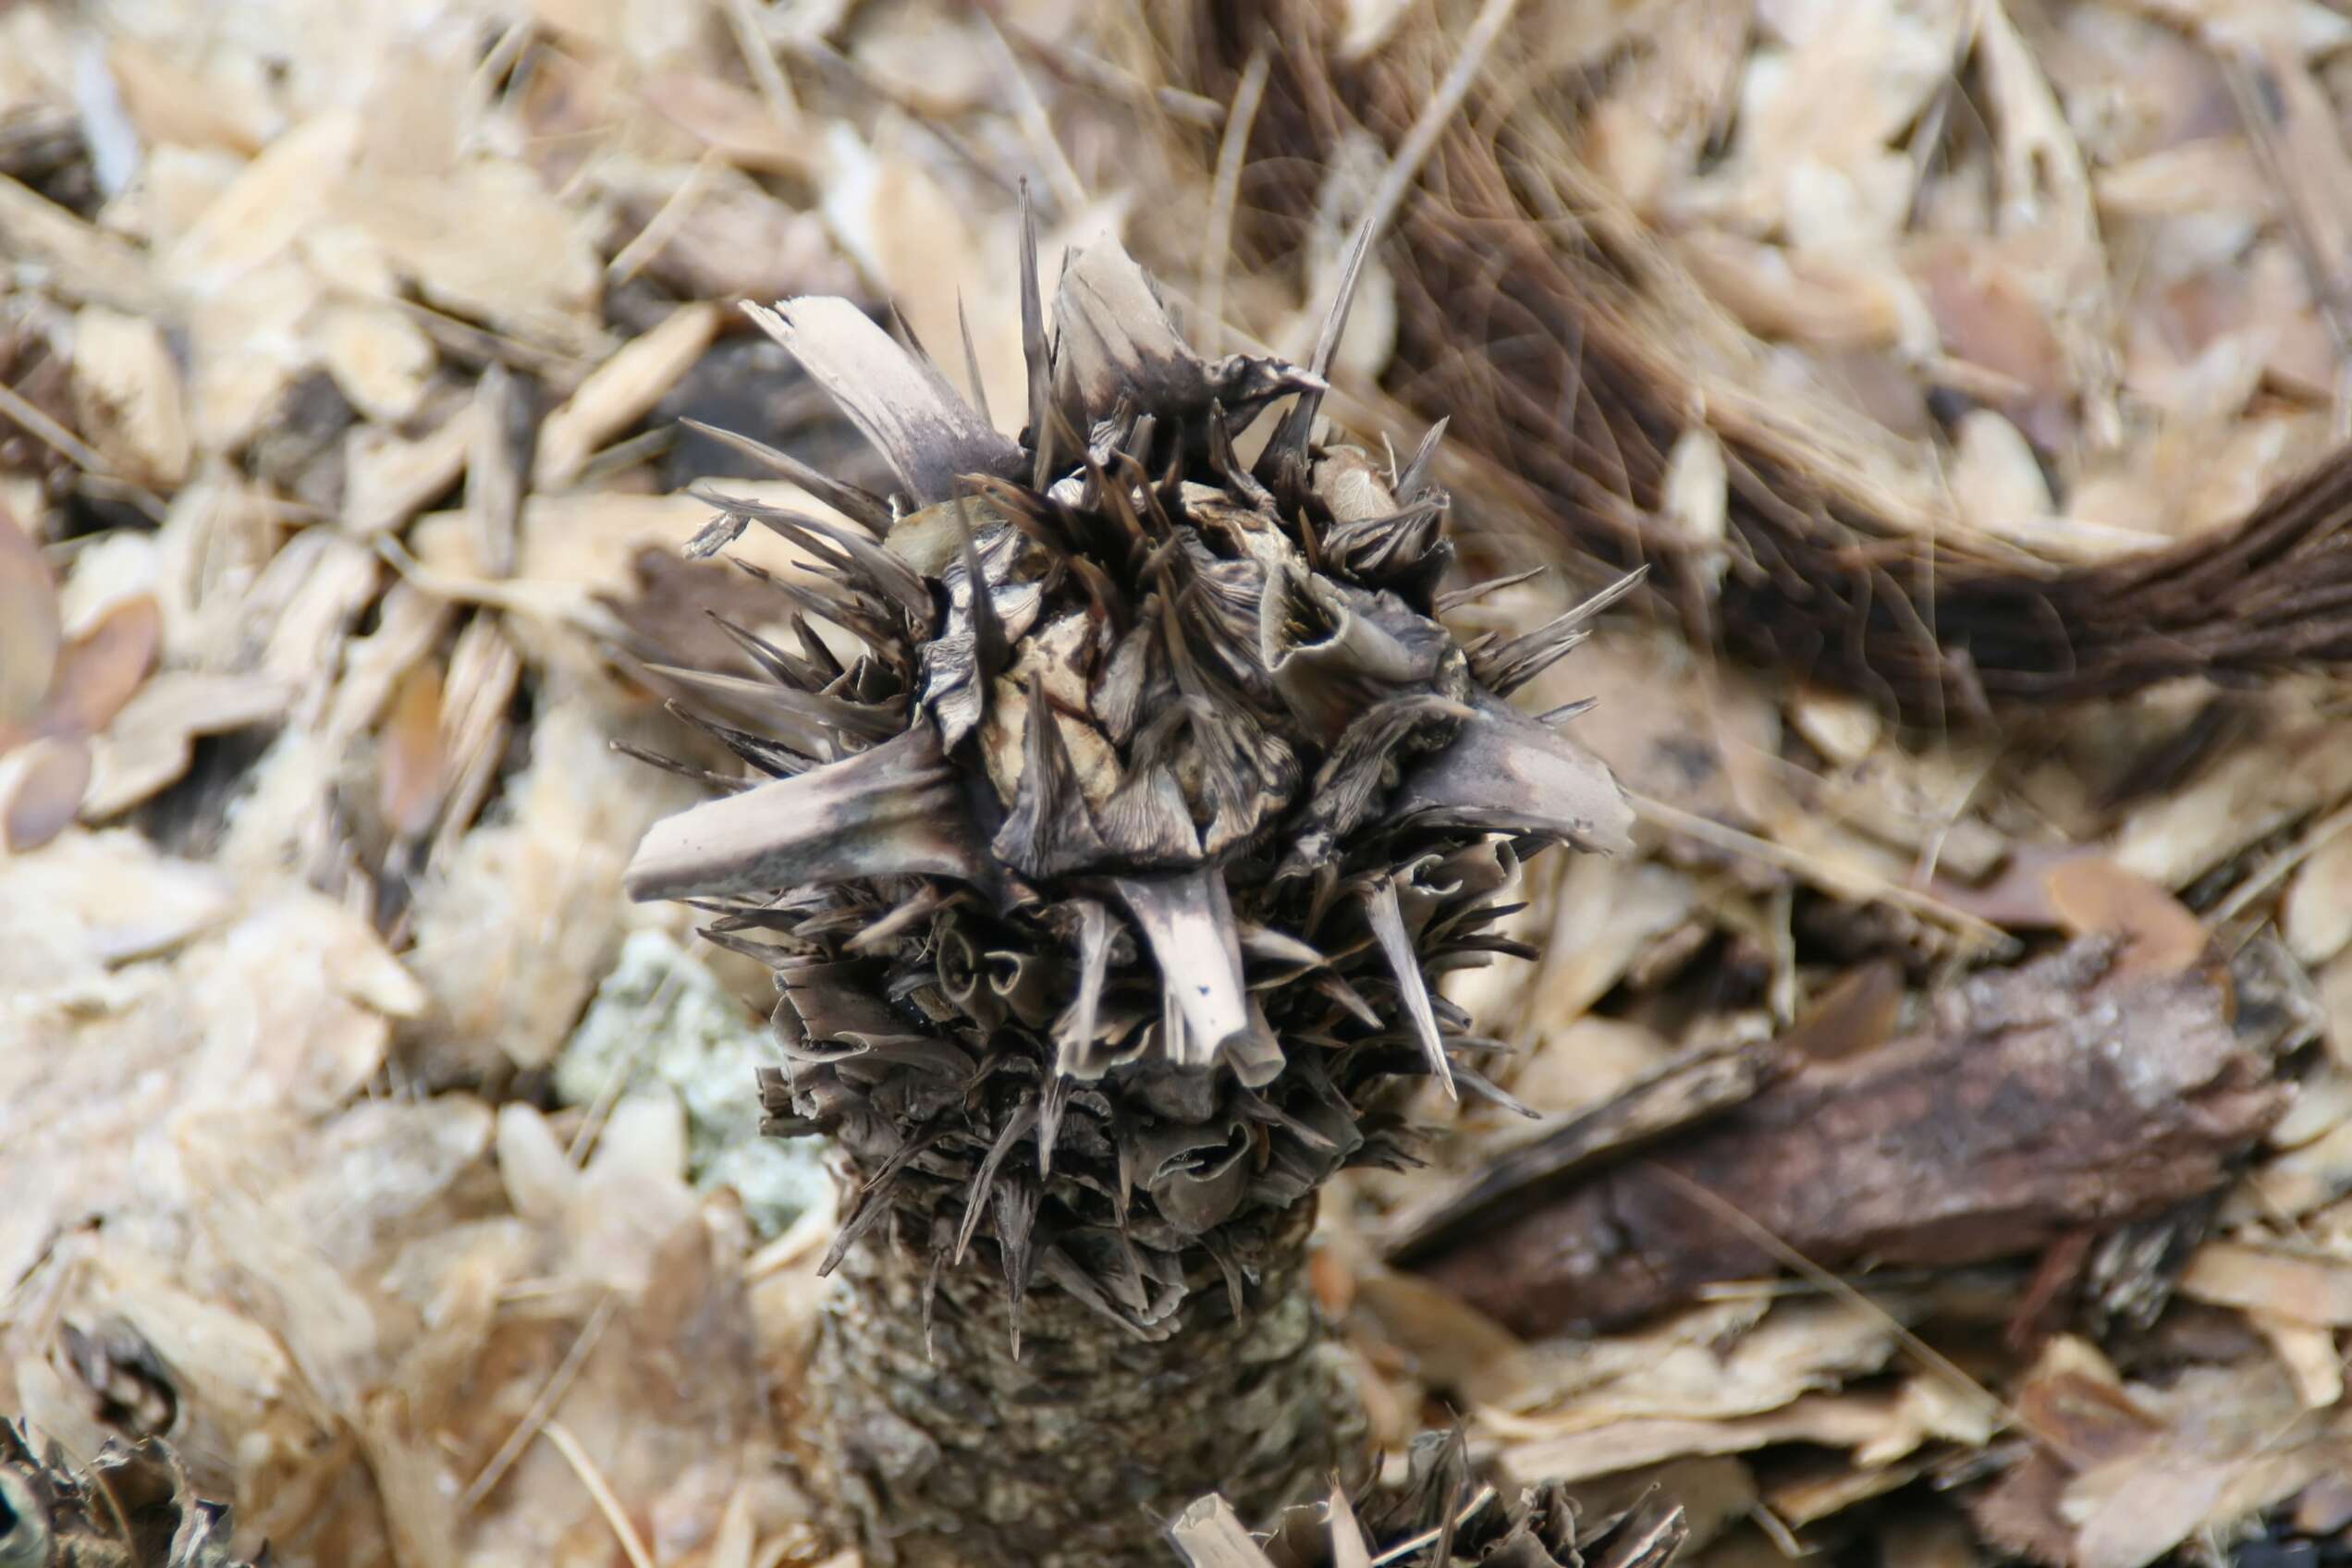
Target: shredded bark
2043	1100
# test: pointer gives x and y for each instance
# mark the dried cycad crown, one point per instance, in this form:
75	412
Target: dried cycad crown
1145	765
127	1508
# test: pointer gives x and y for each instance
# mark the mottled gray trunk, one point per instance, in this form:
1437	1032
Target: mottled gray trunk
1072	1456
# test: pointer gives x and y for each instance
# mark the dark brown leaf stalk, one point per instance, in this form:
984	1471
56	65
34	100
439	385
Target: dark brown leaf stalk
1115	804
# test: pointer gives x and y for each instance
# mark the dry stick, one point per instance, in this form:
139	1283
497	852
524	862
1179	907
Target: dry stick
666	220
1217	251
759	58
1036	128
598	1488
28	415
2265	875
533	1419
1397	180
1708	831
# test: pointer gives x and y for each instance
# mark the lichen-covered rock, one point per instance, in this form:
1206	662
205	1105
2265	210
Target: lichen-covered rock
661	1017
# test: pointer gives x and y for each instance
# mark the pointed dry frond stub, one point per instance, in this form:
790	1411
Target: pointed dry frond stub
1509	666
1508	773
894	811
921	425
1187	920
1380	908
1117	345
1211	1534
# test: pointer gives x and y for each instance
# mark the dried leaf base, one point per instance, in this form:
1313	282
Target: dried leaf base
1075	1454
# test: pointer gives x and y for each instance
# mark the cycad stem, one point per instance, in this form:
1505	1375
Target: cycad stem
1072	1456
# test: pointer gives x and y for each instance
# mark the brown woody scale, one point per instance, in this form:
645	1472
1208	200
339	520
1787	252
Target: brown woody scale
1106	863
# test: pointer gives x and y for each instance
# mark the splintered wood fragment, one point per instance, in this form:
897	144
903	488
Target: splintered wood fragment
1073	1035
927	432
1211	1534
128	395
495	452
389	478
2043	1099
2305	1287
1396	946
619	392
894	811
75	259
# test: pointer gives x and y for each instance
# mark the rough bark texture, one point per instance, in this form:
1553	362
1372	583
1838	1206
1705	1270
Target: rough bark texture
2041	1101
1075	1454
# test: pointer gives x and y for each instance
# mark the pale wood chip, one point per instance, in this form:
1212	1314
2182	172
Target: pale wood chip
619	391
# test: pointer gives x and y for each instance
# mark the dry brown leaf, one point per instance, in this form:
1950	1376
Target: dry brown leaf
2095	896
40	786
410	766
1858	1012
148	746
29	630
102	668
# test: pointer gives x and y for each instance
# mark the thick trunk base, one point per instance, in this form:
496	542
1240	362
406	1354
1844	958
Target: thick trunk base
1075	1454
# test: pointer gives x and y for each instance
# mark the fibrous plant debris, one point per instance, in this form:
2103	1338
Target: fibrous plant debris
1113	856
1579	356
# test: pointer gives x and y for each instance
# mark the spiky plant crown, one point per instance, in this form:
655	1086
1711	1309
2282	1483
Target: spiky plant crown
1105	881
1439	1515
129	1507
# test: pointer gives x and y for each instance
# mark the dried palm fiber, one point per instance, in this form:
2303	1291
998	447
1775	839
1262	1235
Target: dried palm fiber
1569	352
1440	1515
1106	882
127	1508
